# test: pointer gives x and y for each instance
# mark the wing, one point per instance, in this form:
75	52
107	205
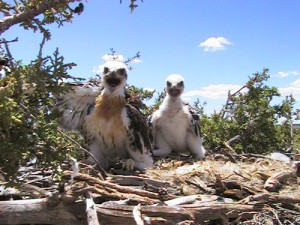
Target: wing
138	129
193	120
77	104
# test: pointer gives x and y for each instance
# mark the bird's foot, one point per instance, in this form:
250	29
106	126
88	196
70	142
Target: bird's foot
129	164
201	158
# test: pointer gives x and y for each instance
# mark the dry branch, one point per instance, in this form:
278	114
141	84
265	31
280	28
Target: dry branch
274	182
109	189
41	211
55	211
91	212
9	21
270	198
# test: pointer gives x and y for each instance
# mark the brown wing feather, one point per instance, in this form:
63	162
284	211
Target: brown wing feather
139	129
77	104
194	123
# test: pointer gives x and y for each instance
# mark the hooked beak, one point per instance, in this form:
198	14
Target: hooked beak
174	92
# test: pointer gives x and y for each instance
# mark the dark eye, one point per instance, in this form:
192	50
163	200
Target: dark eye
180	84
105	70
169	84
121	71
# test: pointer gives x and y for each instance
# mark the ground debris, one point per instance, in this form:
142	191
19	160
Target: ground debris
176	191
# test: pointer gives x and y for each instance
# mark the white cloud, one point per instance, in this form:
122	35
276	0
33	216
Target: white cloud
108	57
213	91
136	61
287	73
213	44
149	89
98	69
220	91
293	89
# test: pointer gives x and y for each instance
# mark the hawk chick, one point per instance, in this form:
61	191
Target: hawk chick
113	129
174	126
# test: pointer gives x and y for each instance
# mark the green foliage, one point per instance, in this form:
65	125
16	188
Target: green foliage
158	100
136	96
216	130
28	126
254	118
52	11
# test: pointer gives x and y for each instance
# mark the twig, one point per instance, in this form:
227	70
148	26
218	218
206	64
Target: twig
114	187
29	14
137	215
136	180
41	50
197	185
112	194
182	200
276	216
102	171
8	51
270	198
129	60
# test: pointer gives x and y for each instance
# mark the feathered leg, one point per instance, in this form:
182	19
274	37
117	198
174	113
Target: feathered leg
138	160
195	145
161	146
95	151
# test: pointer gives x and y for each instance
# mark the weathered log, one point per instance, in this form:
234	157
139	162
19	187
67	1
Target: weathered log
56	211
41	211
91	212
110	213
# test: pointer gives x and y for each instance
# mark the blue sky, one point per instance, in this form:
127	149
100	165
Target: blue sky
214	44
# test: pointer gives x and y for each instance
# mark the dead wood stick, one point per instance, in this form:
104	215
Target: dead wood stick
117	188
25	190
54	211
229	153
274	182
113	214
92	218
112	194
182	200
228	146
101	170
41	211
136	180
119	196
137	215
271	198
34	191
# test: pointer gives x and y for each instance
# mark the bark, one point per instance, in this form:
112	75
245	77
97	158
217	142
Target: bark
9	21
56	211
274	183
114	191
41	211
92	218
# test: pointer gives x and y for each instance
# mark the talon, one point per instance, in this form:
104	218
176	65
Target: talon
129	164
